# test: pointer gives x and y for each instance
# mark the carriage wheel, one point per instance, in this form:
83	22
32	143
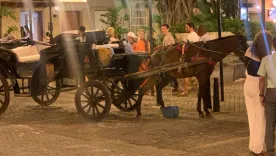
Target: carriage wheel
50	95
93	100
4	95
128	105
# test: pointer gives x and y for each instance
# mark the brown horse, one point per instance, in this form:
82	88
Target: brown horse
215	49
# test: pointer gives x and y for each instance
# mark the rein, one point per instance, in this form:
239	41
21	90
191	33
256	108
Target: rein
213	51
167	50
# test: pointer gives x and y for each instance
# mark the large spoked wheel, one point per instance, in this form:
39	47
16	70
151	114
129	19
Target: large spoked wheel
4	95
49	95
93	100
117	90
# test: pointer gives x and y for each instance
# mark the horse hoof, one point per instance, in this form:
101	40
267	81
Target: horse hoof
201	116
209	116
138	115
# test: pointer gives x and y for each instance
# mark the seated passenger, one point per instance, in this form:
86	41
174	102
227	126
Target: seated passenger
130	42
82	34
111	34
142	44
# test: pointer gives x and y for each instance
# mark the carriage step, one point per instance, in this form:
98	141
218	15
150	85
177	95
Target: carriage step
23	95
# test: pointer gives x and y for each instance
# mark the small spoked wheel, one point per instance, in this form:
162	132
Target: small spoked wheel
49	95
117	90
4	95
93	100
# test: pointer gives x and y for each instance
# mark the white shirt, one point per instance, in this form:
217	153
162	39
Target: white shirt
206	37
193	37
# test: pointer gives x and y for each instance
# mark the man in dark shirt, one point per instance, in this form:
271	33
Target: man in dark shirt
82	34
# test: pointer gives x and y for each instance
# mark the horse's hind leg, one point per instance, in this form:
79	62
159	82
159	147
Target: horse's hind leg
203	93
208	93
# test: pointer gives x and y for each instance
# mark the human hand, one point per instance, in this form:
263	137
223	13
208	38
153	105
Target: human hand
262	100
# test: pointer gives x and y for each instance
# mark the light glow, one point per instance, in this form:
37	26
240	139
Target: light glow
274	2
258	7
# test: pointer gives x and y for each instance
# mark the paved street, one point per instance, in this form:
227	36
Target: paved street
28	129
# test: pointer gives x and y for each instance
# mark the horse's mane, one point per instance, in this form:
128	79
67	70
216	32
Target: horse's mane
222	38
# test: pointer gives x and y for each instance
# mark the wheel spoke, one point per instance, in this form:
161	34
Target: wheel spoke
89	109
92	91
87	92
133	99
93	110
2	102
85	95
84	101
85	106
129	101
100	97
47	97
42	96
126	104
97	110
97	92
100	105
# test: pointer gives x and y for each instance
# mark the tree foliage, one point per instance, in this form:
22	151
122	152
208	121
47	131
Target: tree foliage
114	19
10	13
7	12
175	11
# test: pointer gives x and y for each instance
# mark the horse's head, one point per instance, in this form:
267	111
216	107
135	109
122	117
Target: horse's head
242	47
218	49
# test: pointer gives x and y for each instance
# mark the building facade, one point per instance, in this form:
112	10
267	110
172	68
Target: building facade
66	15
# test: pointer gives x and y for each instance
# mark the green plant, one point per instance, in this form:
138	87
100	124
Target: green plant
7	12
10	13
270	26
113	19
234	25
11	29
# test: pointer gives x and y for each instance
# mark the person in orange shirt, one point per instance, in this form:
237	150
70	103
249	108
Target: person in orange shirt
142	44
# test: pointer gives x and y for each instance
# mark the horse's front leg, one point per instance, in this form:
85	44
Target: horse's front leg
147	85
159	87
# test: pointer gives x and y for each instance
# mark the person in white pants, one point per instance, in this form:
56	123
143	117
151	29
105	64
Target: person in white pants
255	110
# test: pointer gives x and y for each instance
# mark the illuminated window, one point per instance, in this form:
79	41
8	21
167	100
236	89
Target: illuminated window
138	16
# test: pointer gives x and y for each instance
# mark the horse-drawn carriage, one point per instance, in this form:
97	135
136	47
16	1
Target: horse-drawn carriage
111	77
40	70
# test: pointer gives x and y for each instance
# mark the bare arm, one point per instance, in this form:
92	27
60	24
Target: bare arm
262	85
262	88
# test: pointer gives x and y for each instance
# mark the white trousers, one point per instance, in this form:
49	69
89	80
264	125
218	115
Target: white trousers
256	114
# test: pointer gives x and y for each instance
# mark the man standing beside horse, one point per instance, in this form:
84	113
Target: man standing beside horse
169	40
192	37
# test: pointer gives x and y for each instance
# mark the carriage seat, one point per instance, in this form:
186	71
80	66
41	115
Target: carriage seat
29	53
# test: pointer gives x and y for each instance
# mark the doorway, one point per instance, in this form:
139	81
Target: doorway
37	23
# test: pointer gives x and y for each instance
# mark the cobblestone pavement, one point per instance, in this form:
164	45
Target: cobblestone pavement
28	129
